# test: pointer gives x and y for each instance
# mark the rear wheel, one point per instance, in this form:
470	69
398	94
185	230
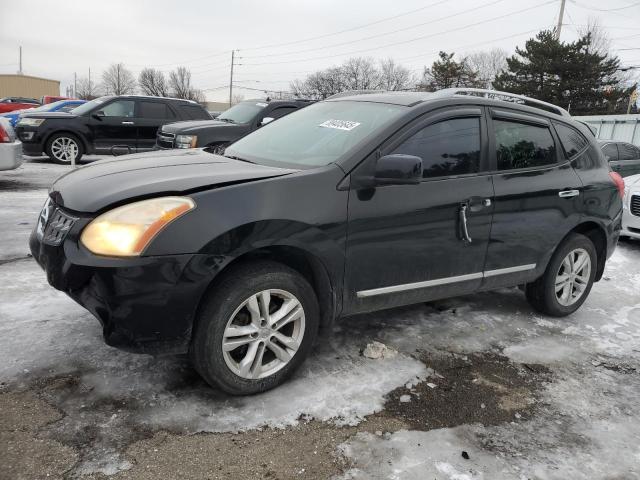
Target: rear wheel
64	148
568	279
255	327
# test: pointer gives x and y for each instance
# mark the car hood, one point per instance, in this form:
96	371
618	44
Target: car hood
104	183
47	114
632	181
195	125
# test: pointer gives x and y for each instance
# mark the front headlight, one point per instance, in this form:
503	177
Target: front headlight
30	122
128	230
186	141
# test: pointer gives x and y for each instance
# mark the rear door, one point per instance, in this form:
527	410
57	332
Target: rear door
538	197
113	124
151	115
406	242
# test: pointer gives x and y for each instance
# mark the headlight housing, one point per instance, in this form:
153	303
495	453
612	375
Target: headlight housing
30	122
186	141
126	231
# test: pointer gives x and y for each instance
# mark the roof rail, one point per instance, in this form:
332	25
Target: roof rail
348	93
507	97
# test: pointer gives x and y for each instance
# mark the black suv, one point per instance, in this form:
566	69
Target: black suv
347	206
106	125
229	126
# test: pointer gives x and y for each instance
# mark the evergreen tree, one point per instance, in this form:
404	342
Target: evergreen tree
448	73
572	75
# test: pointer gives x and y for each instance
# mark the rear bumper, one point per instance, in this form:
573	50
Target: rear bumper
10	155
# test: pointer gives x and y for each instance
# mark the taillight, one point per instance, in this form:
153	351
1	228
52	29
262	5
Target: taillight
4	136
619	181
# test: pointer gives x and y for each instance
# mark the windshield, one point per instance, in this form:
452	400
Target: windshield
48	107
316	135
242	112
87	107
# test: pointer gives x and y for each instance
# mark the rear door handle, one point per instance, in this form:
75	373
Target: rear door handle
463	223
127	123
568	193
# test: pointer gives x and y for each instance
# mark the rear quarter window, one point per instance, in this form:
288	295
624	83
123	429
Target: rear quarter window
573	142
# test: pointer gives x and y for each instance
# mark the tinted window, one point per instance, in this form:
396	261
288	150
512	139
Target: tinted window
193	112
520	145
119	108
610	151
628	152
154	110
451	147
243	112
572	141
280	112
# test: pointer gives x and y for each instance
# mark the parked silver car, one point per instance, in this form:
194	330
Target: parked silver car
10	146
631	212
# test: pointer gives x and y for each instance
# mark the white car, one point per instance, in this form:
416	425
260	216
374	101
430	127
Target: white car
631	205
10	146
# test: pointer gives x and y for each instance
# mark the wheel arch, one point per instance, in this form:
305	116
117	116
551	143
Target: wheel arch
597	234
85	144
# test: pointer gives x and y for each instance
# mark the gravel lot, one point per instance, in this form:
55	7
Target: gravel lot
481	388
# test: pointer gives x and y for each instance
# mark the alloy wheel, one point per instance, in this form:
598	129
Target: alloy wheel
573	277
263	334
64	149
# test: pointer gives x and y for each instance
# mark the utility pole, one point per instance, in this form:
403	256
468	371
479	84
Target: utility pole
90	92
560	19
20	60
233	56
75	85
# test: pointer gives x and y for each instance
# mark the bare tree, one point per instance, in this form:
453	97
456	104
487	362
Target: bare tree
487	64
360	74
394	76
181	87
153	82
87	89
237	98
118	80
320	84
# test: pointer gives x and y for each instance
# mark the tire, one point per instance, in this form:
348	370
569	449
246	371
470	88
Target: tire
574	287
61	145
234	304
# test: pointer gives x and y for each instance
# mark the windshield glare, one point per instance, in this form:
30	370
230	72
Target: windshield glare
87	107
242	112
316	135
48	107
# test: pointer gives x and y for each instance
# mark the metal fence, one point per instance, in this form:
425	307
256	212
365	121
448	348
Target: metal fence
623	128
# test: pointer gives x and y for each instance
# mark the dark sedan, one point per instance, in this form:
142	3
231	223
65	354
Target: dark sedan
623	157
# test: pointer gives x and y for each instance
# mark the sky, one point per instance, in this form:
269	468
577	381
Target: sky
277	41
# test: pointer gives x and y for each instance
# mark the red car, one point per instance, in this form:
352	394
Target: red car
50	99
9	104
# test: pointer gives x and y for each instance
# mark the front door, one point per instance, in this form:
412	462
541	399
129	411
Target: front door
114	125
538	196
412	243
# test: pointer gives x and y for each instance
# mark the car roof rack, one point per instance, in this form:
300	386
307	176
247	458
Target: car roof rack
349	93
506	97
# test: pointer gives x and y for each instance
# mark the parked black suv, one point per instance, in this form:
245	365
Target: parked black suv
106	125
229	126
347	206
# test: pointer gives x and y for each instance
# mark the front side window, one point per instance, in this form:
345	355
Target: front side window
572	141
316	135
628	152
522	145
119	108
451	147
610	151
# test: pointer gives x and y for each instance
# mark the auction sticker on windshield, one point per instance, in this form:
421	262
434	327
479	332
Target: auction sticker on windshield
340	124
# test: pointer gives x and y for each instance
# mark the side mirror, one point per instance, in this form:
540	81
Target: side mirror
98	115
266	120
398	169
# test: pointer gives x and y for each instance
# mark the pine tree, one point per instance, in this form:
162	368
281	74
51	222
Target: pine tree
572	75
448	73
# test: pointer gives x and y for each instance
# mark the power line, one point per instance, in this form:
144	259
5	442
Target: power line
586	7
410	40
379	34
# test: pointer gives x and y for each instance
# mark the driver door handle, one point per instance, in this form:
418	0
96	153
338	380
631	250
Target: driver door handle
127	123
568	193
463	223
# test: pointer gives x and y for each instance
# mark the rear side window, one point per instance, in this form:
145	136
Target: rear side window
522	145
451	147
610	151
155	110
193	112
572	141
628	152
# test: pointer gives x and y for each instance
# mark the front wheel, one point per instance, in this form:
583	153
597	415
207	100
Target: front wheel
64	148
255	327
568	279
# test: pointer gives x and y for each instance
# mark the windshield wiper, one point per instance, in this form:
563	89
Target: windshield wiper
228	120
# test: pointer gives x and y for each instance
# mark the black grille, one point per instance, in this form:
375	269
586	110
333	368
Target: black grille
165	140
635	205
54	224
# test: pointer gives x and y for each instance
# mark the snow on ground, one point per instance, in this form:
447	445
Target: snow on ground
587	424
